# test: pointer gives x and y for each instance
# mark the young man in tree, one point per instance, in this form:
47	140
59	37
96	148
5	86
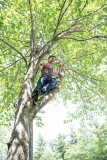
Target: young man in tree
47	80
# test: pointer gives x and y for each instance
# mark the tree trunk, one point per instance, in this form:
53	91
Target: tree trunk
26	110
19	142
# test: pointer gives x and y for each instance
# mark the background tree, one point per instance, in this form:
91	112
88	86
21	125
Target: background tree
91	144
40	147
4	136
73	31
47	155
88	143
58	146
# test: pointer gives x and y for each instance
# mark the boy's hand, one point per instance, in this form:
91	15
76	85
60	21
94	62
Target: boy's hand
60	65
38	56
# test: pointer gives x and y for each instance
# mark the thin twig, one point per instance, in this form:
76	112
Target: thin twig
16	39
85	39
84	55
5	50
94	27
86	1
86	88
91	78
91	14
78	87
22	14
15	50
11	64
91	90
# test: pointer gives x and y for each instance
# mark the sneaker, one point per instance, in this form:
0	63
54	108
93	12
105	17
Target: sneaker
35	96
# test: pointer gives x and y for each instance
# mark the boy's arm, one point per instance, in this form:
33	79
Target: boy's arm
60	69
40	66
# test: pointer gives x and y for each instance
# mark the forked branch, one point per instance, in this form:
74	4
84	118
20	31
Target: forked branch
14	50
61	14
78	24
59	18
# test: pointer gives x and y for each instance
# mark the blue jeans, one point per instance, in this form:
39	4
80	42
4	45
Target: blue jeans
45	83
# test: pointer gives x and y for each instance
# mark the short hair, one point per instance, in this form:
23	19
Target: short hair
52	56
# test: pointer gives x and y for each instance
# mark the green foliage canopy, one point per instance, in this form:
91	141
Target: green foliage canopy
79	29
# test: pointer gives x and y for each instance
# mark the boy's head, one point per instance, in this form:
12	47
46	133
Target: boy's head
51	58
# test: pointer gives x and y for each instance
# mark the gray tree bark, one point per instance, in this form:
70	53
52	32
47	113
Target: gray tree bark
31	143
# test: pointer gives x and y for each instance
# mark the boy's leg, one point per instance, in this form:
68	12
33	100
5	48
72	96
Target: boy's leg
37	90
51	84
35	94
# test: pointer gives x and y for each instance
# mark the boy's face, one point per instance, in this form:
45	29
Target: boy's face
51	59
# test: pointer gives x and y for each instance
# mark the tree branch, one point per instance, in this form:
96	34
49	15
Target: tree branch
92	90
15	50
11	64
85	39
66	8
95	27
66	32
78	87
69	30
3	3
47	47
91	78
59	18
21	14
26	42
86	1
31	17
84	55
32	36
90	14
61	15
77	28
